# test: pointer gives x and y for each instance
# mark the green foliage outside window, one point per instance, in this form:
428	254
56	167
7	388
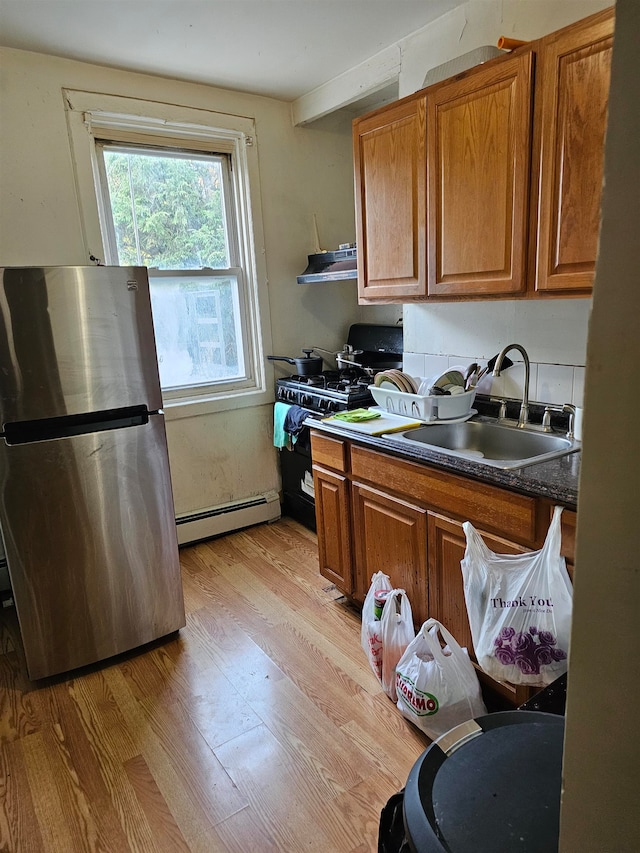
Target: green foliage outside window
168	212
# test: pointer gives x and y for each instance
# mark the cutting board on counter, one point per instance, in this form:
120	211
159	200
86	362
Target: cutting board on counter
385	423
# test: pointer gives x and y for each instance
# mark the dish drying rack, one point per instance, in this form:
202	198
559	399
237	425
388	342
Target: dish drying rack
424	408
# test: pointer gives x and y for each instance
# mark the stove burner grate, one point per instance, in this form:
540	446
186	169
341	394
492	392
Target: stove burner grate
328	392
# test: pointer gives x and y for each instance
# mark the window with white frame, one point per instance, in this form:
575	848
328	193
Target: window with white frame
174	197
170	211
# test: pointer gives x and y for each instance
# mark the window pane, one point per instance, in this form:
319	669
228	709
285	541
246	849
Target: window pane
197	326
168	210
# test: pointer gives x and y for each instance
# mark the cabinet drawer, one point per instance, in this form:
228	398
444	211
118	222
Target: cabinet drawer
330	452
506	513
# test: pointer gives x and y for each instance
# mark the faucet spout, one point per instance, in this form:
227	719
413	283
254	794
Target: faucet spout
524	408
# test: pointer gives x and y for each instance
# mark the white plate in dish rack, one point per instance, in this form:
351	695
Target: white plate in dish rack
459	420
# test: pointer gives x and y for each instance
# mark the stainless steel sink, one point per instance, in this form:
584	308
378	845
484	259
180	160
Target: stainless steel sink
496	444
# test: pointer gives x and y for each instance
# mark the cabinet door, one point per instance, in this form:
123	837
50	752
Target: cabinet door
572	95
568	547
478	165
333	525
447	604
390	535
390	185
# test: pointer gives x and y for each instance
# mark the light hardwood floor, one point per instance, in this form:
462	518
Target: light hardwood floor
260	727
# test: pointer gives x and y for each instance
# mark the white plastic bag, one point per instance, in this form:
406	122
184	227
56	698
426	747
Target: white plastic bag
437	687
519	608
396	628
370	634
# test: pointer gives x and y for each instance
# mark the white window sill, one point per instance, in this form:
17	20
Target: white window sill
175	410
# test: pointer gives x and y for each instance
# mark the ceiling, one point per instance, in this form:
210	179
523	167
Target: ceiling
277	48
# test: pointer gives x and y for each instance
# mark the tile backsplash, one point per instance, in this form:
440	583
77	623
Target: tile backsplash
548	383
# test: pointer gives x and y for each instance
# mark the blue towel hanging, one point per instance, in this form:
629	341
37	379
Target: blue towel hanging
281	438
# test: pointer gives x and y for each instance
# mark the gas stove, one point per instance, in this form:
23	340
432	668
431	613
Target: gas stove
328	392
378	348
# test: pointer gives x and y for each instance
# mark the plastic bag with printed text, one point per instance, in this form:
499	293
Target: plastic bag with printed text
519	608
437	687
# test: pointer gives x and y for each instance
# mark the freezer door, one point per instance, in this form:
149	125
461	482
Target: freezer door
74	340
90	536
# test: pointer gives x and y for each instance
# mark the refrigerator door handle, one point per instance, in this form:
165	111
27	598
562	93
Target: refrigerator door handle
45	429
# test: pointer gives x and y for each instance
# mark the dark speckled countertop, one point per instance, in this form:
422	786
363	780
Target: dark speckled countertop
555	479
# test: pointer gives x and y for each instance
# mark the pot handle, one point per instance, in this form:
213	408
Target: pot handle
281	358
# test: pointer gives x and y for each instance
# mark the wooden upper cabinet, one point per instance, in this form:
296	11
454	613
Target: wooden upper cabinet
571	107
489	184
479	132
390	186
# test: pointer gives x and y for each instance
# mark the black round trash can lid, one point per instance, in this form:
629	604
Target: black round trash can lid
489	787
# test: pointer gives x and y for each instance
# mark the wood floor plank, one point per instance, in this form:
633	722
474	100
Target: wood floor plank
19	827
263	770
204	692
257	609
97	742
243	832
332	763
47	783
105	726
319	677
193	759
166	833
85	743
97	830
352	812
216	638
197	827
259	727
17	715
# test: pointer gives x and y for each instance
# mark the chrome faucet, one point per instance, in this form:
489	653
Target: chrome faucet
524	408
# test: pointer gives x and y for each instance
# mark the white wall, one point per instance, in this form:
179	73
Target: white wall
482	22
553	333
224	456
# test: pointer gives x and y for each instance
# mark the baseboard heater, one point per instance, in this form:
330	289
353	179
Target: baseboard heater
225	518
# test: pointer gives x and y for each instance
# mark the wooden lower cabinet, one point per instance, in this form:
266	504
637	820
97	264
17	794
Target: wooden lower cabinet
390	535
375	513
334	524
447	545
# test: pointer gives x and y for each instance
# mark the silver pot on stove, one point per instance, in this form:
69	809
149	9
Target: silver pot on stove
370	362
347	357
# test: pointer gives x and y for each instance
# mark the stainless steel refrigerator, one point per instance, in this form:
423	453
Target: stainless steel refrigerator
86	507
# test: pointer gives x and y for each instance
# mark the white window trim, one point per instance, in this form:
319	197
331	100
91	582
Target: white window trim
130	120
